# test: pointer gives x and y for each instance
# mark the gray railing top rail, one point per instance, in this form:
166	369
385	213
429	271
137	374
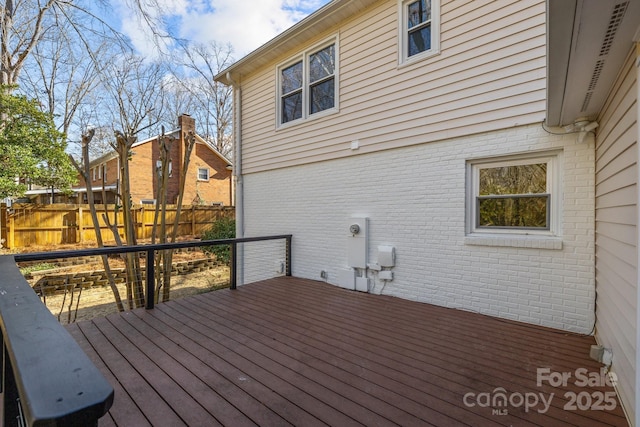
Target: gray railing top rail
56	382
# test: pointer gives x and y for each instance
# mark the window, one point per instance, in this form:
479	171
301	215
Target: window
203	174
307	84
419	29
518	195
159	168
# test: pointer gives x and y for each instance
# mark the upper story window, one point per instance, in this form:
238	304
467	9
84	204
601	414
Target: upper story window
307	84
419	29
514	196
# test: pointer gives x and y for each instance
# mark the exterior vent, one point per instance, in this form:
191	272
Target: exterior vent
595	76
612	28
614	22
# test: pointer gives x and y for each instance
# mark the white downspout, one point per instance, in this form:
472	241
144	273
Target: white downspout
237	174
636	398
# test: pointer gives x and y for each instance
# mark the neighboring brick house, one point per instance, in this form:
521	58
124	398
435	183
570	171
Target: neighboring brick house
208	179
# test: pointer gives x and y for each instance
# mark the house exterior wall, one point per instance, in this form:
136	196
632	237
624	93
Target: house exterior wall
215	190
414	197
617	231
490	75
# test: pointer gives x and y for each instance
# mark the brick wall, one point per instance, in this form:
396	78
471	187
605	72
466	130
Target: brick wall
217	188
415	198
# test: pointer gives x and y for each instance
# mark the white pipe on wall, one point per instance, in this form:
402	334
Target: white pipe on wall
237	174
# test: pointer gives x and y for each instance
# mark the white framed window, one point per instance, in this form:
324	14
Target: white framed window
95	173
203	174
308	83
514	195
419	28
159	168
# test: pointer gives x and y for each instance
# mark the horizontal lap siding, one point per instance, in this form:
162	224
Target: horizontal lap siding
489	75
616	230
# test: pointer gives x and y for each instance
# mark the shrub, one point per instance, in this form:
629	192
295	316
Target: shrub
224	228
37	267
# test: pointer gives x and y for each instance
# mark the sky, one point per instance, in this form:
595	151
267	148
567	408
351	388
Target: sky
245	24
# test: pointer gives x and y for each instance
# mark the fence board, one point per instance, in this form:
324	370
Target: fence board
43	225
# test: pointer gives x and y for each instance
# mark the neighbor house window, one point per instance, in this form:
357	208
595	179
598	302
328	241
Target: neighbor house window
307	84
159	168
419	29
514	196
203	174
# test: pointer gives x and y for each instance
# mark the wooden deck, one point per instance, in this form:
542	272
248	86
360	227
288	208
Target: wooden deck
298	352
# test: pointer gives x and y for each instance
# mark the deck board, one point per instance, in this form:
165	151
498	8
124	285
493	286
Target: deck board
298	352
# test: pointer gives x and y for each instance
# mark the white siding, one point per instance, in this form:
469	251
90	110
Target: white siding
415	199
617	232
489	75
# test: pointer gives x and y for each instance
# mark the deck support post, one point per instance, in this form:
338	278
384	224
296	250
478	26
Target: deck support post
150	273
288	255
234	266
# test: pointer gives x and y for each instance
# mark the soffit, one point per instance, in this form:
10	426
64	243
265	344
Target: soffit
588	42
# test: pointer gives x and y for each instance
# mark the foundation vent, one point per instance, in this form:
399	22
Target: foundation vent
612	28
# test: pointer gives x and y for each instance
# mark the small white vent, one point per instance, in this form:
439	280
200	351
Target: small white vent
614	23
612	28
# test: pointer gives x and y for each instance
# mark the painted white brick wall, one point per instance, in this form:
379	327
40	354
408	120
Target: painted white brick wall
415	199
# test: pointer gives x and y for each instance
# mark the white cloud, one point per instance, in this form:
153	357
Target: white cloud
245	24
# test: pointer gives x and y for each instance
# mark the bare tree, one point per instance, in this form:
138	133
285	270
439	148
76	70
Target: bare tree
83	169
136	89
63	76
213	101
26	23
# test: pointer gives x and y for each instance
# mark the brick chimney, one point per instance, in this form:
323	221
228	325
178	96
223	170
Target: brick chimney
186	123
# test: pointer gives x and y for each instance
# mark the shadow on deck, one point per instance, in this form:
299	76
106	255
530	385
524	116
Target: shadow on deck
290	351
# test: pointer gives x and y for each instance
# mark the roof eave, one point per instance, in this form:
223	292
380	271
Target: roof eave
292	37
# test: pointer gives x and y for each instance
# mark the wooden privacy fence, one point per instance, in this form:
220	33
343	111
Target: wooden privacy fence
42	225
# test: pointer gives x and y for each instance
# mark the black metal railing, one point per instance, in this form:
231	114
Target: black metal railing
47	380
150	252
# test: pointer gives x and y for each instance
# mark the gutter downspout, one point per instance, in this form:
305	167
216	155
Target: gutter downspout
636	398
237	174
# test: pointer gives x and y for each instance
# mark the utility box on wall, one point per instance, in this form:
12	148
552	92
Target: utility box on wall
357	242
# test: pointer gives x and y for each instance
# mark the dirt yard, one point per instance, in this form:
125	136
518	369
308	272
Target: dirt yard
96	302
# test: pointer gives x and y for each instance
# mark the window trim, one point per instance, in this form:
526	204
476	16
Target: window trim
208	174
306	84
553	190
403	33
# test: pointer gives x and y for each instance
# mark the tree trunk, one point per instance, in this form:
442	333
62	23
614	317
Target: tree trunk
190	141
84	172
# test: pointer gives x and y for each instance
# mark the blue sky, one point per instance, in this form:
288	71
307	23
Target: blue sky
245	24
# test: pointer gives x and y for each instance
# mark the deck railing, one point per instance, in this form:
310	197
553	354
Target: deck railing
150	251
47	380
